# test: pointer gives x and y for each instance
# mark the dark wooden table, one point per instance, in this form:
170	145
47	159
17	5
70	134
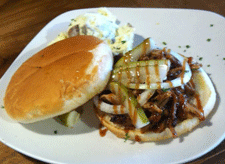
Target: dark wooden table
21	20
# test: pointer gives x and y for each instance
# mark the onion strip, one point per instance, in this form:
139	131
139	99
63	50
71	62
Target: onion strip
184	78
108	108
148	45
120	109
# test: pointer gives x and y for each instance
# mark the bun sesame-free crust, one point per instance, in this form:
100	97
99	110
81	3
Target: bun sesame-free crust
58	79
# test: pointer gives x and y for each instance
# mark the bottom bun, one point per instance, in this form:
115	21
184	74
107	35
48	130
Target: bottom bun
207	95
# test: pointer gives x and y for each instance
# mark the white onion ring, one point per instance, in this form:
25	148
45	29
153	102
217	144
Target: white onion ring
108	108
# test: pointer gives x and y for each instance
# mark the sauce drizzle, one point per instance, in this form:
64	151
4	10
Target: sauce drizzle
128	77
102	130
122	109
170	84
147	76
157	74
137	74
137	138
199	105
183	69
115	109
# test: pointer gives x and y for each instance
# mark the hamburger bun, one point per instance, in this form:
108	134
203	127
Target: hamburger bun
207	96
58	79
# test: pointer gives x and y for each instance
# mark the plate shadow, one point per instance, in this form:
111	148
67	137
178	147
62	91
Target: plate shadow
88	122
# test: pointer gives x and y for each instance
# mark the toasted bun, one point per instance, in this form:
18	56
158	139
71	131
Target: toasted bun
58	79
207	95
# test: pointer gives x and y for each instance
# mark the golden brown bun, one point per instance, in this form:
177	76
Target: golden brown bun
58	79
207	97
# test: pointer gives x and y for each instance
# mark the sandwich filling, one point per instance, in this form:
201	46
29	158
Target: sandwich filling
151	89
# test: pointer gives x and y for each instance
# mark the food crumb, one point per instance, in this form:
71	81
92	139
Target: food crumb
164	43
126	137
187	46
208	65
211	25
208	40
200	58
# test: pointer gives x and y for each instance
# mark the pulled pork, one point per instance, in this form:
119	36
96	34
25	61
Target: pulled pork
165	108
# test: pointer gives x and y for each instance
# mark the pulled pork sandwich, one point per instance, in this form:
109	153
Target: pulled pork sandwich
58	79
154	94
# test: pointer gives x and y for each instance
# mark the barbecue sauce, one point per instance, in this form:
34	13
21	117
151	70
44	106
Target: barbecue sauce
102	130
183	69
137	138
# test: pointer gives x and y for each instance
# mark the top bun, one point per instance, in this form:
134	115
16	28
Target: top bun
58	79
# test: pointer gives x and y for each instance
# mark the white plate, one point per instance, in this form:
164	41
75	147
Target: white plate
176	27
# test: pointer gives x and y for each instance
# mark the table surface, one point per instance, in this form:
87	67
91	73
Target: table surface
18	27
